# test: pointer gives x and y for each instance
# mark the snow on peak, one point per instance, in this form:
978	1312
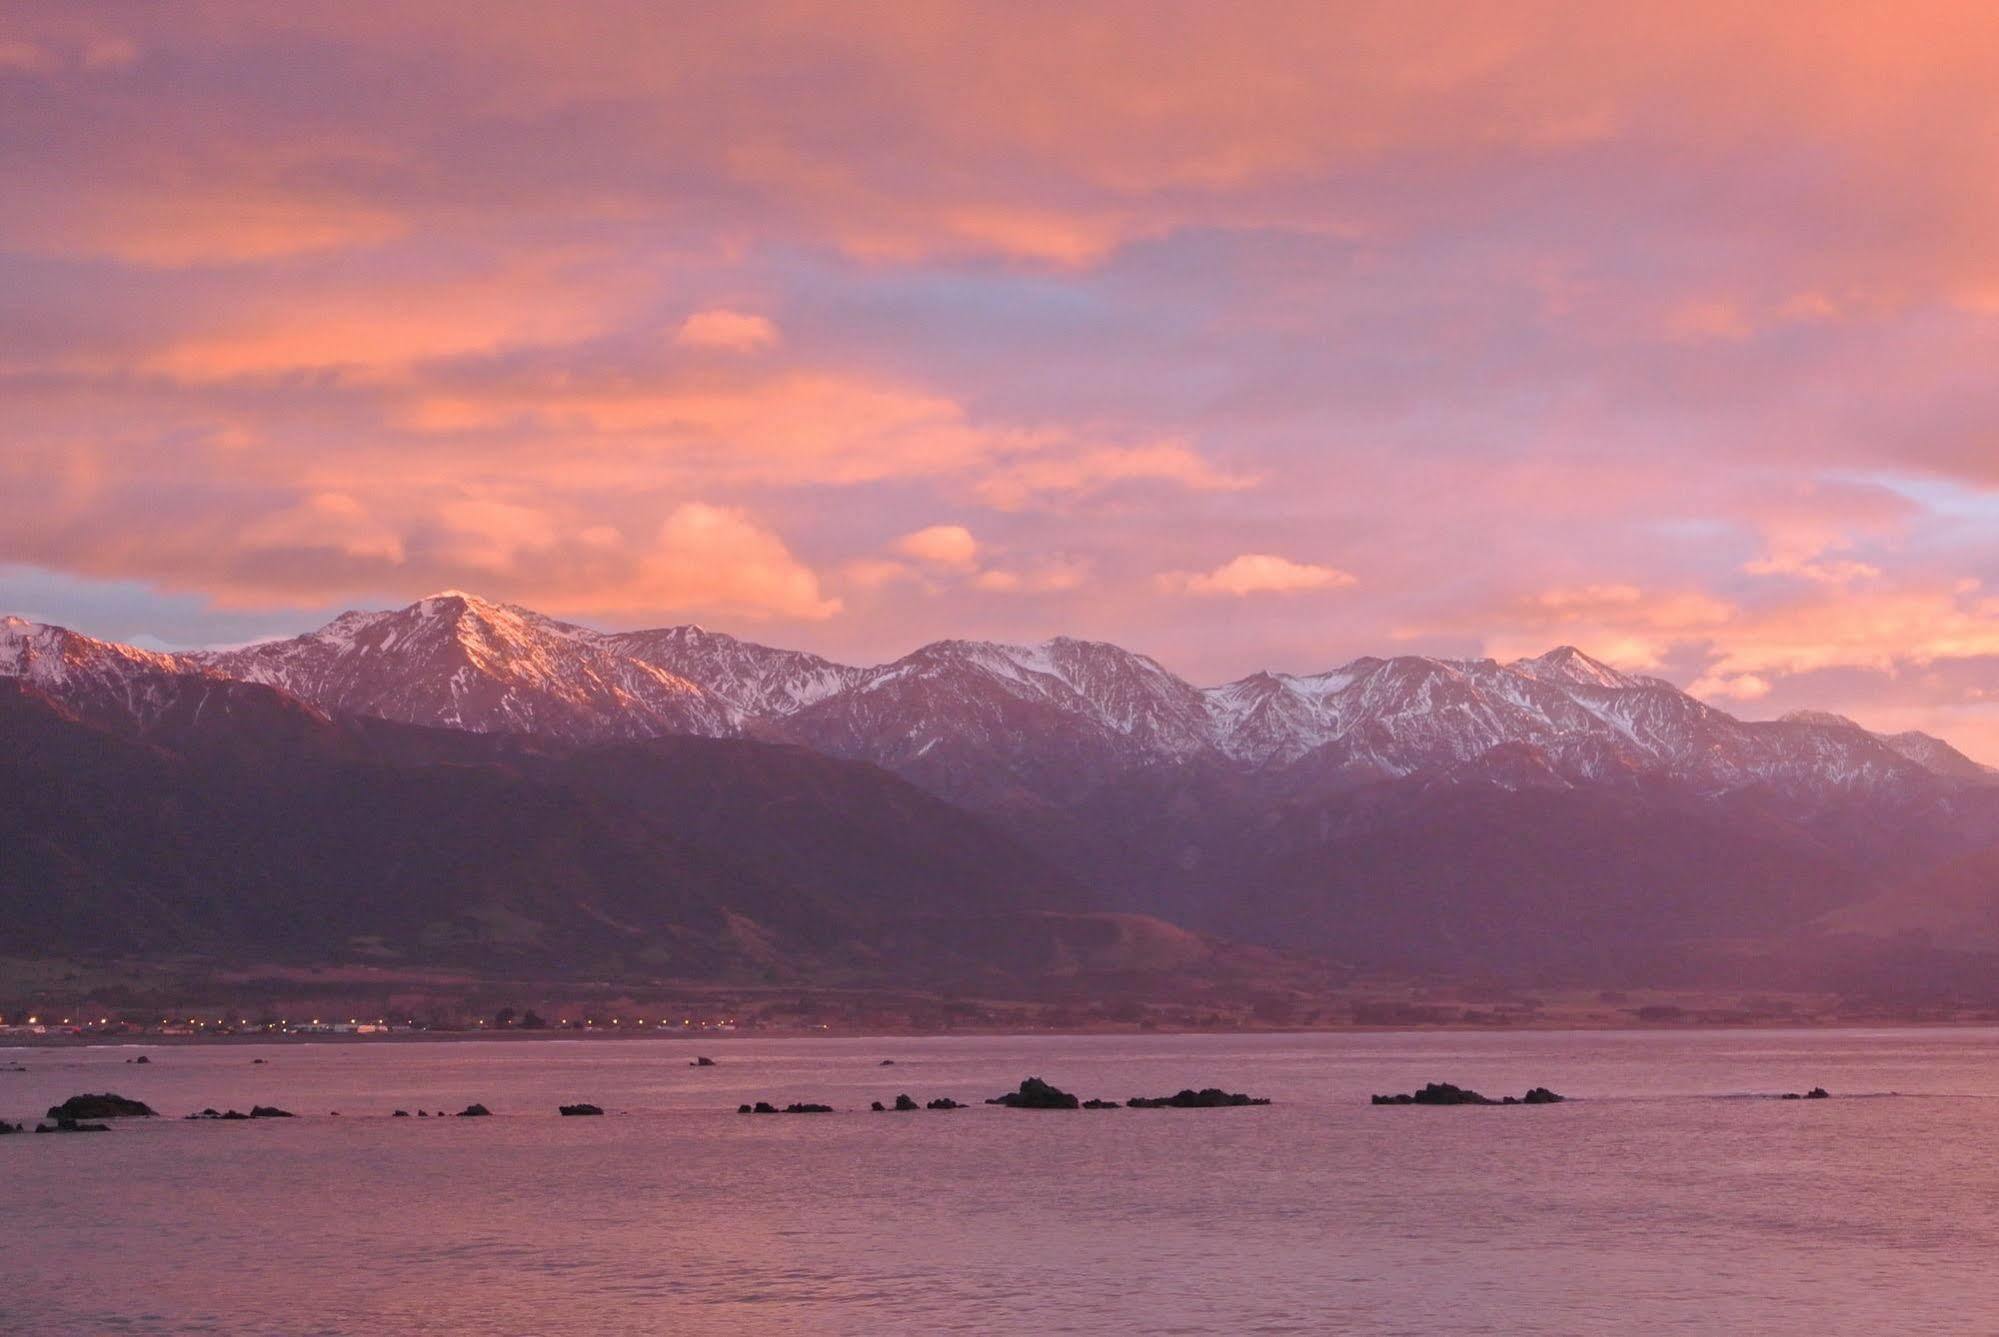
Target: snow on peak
1567	664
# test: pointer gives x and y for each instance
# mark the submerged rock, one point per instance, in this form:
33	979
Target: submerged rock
106	1106
1212	1097
1444	1093
578	1111
1035	1094
73	1126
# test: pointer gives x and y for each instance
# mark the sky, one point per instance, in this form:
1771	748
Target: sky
1246	335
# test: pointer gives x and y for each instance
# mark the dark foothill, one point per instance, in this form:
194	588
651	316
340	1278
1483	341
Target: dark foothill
1101	1105
944	1103
1444	1093
106	1106
73	1126
474	1112
577	1111
1211	1097
1035	1094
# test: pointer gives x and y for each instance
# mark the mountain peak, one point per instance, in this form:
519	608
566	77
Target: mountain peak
1823	719
1565	663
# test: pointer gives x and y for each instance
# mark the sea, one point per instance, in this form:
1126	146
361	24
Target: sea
1673	1192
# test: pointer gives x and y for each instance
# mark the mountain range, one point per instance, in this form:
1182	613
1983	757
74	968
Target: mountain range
1550	816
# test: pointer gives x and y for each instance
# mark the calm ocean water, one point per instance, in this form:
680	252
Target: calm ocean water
1664	1199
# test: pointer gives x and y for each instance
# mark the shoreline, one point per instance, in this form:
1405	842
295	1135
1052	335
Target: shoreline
605	1035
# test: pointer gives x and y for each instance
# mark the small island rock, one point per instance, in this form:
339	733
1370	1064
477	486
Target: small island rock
1035	1094
106	1106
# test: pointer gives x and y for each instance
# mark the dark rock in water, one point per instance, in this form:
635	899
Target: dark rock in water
944	1103
256	1060
904	1103
702	1061
1211	1097
1818	1093
878	1107
269	1112
141	1059
765	1107
808	1109
1101	1105
106	1106
73	1126
6	1128
1035	1094
400	1114
231	1115
761	1107
1443	1093
474	1112
886	1063
424	1114
577	1111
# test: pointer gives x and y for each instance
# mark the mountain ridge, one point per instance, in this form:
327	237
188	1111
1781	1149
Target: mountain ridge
993	723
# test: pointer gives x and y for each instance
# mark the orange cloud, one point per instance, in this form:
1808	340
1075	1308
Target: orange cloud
1258	573
941	545
730	331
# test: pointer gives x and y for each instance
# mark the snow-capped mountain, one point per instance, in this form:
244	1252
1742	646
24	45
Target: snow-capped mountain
755	680
990	723
456	661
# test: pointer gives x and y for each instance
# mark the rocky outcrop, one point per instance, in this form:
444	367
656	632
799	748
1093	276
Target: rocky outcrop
1035	1094
1101	1105
765	1107
72	1126
1211	1097
474	1112
944	1103
702	1061
579	1111
1816	1093
1444	1093
106	1106
256	1112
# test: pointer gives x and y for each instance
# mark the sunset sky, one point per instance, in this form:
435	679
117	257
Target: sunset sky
1247	335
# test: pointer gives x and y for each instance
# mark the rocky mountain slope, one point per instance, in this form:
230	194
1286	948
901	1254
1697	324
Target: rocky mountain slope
1550	815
